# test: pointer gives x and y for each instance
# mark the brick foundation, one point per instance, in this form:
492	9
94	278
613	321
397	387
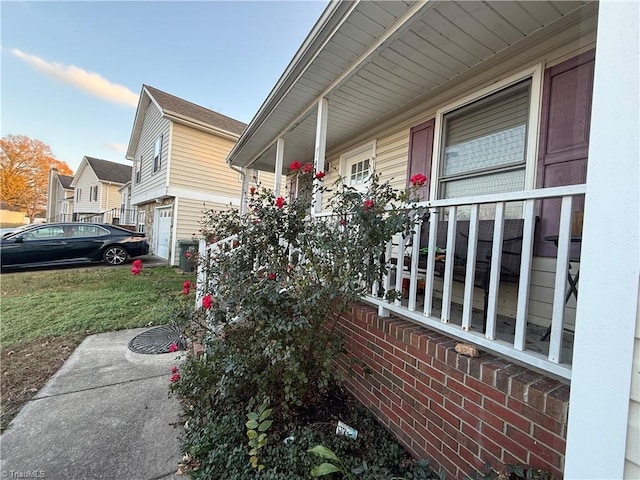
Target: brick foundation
458	411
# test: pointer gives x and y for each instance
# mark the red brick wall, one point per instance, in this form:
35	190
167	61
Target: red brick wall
458	411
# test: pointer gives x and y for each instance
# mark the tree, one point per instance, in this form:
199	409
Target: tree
24	172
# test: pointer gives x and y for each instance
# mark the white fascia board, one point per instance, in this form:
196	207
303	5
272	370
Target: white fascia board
78	174
136	130
203	196
149	195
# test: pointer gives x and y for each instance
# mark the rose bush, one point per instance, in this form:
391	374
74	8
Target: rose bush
280	288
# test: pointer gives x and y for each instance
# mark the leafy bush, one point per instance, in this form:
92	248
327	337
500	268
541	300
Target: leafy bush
220	445
280	286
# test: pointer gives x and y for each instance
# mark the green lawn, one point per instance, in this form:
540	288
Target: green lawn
84	300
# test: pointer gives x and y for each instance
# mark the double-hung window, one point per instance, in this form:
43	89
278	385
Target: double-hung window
157	154
484	145
78	194
138	168
486	142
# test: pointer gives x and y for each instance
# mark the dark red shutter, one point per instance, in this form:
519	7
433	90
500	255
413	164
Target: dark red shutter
564	138
420	153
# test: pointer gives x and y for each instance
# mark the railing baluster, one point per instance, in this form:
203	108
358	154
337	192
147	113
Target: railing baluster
526	258
431	258
494	272
447	283
386	280
399	268
415	258
562	267
469	281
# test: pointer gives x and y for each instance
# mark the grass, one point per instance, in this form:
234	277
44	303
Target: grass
44	315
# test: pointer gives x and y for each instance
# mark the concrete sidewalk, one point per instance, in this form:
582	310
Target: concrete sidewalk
105	414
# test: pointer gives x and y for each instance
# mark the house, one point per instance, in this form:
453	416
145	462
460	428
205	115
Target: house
178	150
513	110
96	186
59	197
11	215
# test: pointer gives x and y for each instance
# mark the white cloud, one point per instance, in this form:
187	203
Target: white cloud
90	82
116	146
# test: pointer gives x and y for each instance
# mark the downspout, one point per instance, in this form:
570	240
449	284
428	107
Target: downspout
244	186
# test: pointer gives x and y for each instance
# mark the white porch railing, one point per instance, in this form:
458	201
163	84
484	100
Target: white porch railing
489	207
441	320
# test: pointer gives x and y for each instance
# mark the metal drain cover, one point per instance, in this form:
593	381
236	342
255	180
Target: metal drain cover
157	340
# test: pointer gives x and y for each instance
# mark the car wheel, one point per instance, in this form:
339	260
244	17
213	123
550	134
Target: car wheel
114	255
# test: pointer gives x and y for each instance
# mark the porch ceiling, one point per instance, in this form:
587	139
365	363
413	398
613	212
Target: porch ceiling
372	60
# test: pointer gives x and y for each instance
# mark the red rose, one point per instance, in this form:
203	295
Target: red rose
271	276
279	202
320	175
368	204
295	165
252	190
173	347
418	180
174	369
206	301
175	377
308	167
186	286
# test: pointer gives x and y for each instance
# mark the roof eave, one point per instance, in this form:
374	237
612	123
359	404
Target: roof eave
324	28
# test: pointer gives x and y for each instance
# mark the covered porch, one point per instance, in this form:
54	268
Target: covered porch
383	79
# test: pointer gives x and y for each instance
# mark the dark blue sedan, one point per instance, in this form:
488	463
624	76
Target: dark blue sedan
51	244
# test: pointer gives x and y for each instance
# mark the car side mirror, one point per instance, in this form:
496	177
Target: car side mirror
19	239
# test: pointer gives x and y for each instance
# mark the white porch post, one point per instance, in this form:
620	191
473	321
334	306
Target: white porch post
320	151
277	183
607	308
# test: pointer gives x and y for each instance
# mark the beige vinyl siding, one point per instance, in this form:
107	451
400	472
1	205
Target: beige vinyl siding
632	463
109	196
198	163
153	126
189	214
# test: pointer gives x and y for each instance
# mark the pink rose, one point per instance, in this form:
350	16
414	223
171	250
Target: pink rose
174	369
308	167
320	175
206	301
173	347
418	180
175	377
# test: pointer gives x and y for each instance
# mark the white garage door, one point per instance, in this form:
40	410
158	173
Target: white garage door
162	232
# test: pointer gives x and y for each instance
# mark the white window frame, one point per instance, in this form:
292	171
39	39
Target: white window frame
358	155
78	194
137	174
534	73
142	215
157	154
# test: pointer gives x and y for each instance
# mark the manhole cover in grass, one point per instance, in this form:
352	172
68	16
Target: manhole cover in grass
157	340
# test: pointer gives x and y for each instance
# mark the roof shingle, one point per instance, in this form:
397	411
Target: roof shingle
174	104
107	171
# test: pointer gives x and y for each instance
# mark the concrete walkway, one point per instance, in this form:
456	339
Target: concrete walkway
105	414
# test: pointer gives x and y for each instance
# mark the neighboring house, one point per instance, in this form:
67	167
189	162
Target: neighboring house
97	185
10	215
178	150
500	104
60	197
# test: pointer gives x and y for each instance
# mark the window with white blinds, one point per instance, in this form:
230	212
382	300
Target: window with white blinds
484	144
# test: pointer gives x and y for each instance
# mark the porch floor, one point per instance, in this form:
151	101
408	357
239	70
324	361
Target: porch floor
505	328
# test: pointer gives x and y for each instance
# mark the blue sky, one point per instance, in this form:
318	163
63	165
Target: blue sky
72	71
